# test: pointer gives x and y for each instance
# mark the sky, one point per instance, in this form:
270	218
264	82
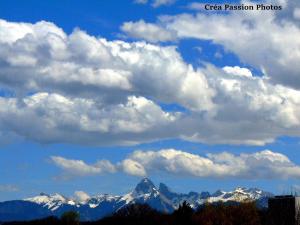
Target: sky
95	95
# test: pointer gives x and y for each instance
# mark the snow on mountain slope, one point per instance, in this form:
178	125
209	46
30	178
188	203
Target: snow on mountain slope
52	202
145	192
238	195
95	201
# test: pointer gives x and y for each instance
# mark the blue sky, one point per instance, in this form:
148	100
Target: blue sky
208	104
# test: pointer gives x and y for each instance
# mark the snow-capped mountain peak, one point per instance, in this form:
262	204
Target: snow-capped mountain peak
45	198
145	187
95	201
145	192
51	202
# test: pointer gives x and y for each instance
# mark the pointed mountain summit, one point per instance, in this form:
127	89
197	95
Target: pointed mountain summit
162	199
146	193
145	186
166	191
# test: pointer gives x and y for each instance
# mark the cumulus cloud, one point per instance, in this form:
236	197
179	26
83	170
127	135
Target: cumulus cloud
248	103
81	196
259	165
157	3
92	91
55	118
75	168
196	6
41	57
277	58
80	168
265	164
249	110
296	13
132	167
289	13
147	31
236	70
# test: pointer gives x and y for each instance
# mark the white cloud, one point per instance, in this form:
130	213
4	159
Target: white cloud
297	13
257	41
132	167
75	168
158	3
249	110
148	31
258	165
196	6
81	196
55	118
93	91
289	12
83	65
80	168
236	70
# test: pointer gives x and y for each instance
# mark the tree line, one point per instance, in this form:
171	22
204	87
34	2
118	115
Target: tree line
142	214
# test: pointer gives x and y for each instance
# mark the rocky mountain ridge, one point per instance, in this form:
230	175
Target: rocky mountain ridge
96	207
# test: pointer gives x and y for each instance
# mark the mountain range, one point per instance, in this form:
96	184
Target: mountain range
97	207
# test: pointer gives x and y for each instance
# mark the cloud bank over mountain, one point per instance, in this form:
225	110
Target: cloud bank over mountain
258	165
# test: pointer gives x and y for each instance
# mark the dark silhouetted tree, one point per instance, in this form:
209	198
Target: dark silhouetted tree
139	214
183	215
70	218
